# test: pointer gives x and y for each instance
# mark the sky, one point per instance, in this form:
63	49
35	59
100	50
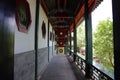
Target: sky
103	11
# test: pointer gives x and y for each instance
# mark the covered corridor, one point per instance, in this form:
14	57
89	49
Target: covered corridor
31	31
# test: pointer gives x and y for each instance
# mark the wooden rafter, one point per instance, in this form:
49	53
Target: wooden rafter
65	3
44	6
58	4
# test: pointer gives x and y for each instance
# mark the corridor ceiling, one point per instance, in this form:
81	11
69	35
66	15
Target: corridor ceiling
63	14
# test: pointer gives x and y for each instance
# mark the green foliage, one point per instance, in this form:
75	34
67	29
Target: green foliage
81	35
103	43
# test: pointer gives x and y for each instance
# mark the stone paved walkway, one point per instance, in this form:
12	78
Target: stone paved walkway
59	69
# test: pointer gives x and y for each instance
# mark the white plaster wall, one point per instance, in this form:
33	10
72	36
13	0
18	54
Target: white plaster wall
42	42
25	41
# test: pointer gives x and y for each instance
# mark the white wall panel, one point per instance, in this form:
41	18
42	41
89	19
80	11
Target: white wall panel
25	41
42	42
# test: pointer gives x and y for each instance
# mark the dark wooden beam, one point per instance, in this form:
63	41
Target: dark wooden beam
79	6
44	5
58	4
65	2
66	17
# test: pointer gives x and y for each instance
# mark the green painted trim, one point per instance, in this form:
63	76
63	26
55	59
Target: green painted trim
88	34
52	41
70	43
89	40
75	39
67	42
36	37
65	48
48	40
7	39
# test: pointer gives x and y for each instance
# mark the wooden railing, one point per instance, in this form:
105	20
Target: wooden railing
96	73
